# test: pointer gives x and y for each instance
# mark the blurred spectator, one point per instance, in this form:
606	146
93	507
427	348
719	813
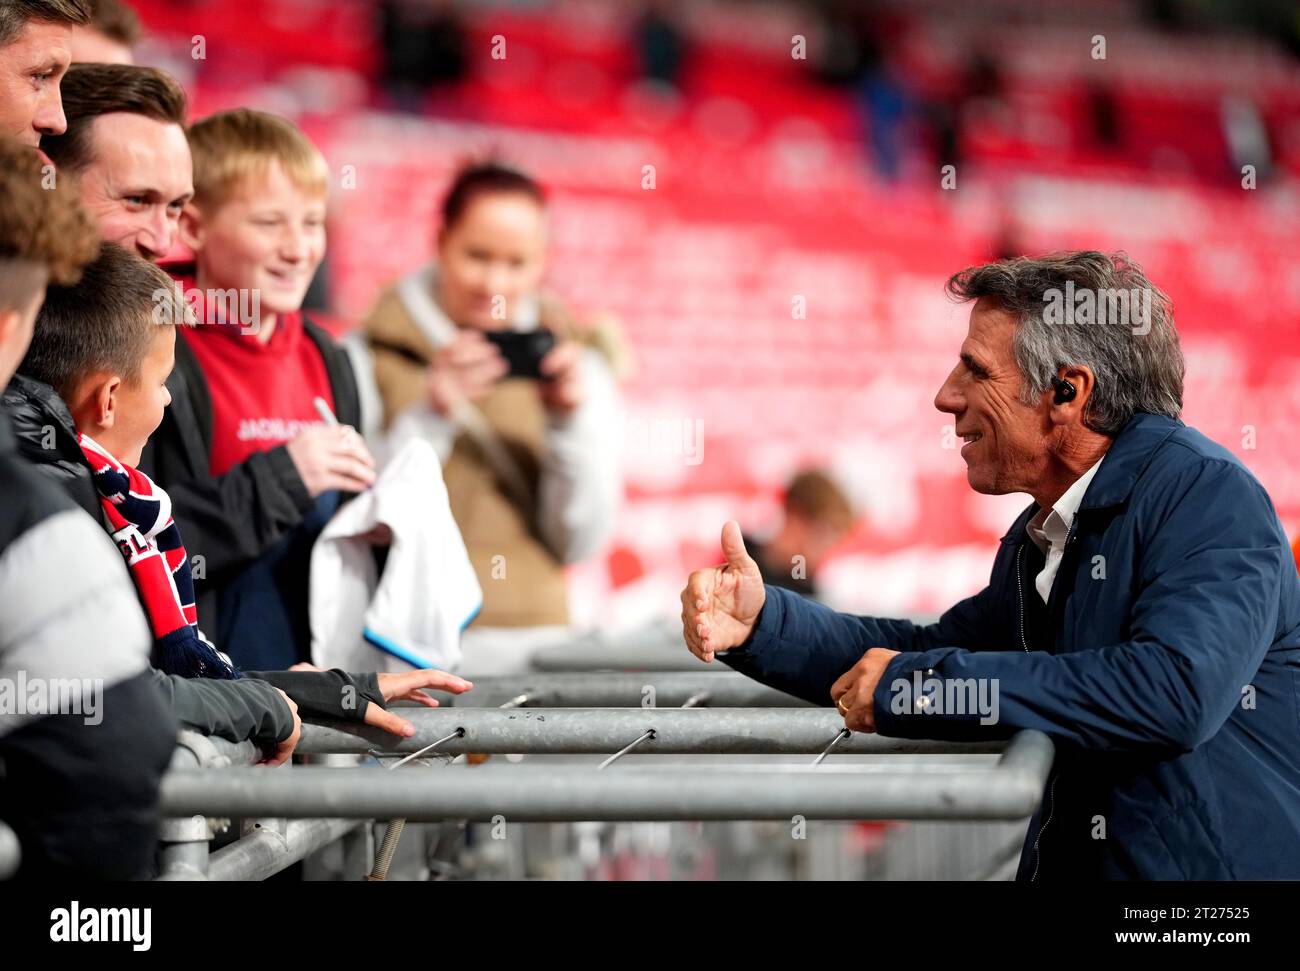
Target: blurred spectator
1246	135
1009	238
111	36
1167	15
886	105
838	59
1103	115
854	54
983	78
424	46
977	101
1007	245
818	515
660	44
529	448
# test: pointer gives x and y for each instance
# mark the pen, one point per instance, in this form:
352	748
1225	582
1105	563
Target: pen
323	410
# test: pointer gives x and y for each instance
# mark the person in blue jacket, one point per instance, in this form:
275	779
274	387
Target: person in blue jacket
1143	611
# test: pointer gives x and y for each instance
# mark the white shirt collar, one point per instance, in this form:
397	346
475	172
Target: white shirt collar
1051	526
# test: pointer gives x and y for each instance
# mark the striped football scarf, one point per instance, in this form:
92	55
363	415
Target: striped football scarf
140	516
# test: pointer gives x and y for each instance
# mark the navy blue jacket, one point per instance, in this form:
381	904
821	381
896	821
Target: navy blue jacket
1165	667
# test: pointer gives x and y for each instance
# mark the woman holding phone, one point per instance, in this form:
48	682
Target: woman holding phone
519	400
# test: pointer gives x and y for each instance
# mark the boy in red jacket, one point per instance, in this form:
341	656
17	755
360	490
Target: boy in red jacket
248	381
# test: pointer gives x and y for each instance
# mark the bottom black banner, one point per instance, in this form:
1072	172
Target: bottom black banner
908	919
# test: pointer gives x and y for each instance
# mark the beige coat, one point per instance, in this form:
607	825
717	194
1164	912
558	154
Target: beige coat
522	579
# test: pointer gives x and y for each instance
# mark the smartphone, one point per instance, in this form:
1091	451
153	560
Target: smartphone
523	349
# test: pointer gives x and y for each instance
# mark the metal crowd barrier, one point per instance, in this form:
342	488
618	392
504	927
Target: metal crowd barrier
288	814
1009	789
265	846
602	731
717	688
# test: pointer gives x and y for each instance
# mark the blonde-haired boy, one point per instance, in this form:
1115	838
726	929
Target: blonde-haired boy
247	379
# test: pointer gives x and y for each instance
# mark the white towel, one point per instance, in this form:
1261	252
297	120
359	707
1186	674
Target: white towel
412	615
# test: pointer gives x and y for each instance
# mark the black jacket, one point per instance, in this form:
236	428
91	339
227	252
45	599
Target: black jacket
246	709
47	439
233	518
79	786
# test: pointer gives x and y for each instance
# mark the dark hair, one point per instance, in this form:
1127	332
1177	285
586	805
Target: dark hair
1126	336
91	90
116	21
105	322
485	178
15	15
41	225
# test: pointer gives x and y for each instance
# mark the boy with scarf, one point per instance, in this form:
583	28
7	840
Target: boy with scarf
106	347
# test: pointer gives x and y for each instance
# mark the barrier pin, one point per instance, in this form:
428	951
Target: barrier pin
842	734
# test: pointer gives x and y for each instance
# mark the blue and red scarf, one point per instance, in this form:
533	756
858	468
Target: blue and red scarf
140	515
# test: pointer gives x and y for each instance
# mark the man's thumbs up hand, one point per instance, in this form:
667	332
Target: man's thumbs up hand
721	605
733	548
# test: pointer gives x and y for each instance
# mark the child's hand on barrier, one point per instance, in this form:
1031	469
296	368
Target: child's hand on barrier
410	687
284	749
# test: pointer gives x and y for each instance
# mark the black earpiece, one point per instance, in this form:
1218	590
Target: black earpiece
1065	391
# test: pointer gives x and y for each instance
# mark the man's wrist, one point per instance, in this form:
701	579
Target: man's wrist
754	629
